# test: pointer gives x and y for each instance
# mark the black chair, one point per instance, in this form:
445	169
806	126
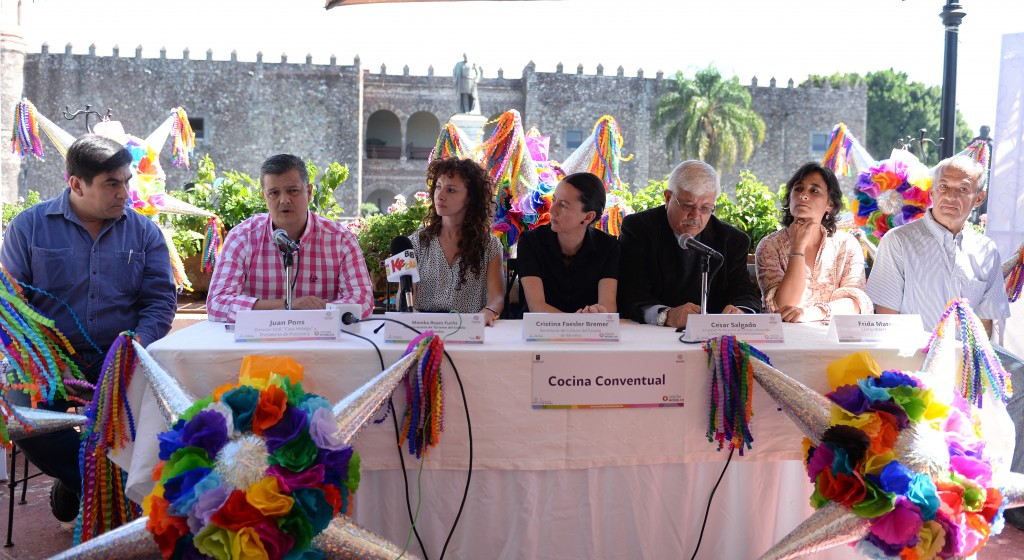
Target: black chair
512	311
12	485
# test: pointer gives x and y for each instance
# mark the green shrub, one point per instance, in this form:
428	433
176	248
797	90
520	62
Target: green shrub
10	210
645	198
376	232
236	196
755	210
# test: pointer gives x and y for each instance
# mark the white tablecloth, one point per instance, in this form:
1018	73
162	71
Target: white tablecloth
618	483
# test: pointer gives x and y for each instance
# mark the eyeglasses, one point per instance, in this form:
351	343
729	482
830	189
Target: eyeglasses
691	208
944	189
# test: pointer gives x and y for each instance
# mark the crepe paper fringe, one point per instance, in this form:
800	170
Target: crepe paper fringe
110	425
424	395
980	366
181	281
1015	275
608	153
449	144
731	399
36	352
25	137
979	151
183	139
839	151
213	242
503	150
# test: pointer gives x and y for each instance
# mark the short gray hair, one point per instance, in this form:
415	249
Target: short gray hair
967	164
696	178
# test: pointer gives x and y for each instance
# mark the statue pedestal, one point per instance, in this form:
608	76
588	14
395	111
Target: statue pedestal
471	125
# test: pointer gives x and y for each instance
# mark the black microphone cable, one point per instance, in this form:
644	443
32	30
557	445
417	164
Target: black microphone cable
348	319
711	497
401	456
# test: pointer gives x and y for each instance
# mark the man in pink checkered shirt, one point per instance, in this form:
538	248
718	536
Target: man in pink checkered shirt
329	265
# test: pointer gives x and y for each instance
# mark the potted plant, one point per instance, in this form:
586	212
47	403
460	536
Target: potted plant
376	231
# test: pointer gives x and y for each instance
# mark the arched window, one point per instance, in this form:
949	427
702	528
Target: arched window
383	136
382	198
421	135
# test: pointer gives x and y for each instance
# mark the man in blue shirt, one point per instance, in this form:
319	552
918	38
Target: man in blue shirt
105	269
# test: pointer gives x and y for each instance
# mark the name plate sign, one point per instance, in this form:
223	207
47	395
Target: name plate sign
465	328
571	327
279	325
875	328
608	380
753	328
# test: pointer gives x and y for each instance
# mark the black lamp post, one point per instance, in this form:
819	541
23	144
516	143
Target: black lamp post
952	14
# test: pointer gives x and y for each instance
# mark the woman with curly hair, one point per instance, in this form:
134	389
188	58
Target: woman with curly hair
459	261
808	271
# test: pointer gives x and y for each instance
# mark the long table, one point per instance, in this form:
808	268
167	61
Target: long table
597	483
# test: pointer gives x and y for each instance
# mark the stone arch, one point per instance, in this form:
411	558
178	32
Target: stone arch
421	134
383	136
382	198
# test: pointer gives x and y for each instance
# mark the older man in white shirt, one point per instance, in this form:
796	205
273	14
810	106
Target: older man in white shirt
923	265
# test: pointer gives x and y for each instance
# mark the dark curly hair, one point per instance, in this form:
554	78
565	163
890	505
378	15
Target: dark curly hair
476	227
835	195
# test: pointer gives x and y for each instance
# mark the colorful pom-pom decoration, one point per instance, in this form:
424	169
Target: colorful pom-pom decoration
938	502
891	193
254	471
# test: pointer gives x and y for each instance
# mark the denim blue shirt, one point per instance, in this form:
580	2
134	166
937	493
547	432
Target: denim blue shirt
121	280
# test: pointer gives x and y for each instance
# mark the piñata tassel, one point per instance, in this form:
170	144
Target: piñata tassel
731	398
25	138
181	281
981	367
183	139
424	414
1013	272
111	425
450	144
213	242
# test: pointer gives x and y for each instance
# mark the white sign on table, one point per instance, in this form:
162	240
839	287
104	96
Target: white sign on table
608	380
466	328
571	327
874	328
280	325
754	328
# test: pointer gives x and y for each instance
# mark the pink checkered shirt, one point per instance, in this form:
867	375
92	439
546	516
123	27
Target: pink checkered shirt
330	266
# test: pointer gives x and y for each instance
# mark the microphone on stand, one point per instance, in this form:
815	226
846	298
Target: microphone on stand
401	268
686	241
284	243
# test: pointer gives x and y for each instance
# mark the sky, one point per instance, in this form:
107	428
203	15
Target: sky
764	38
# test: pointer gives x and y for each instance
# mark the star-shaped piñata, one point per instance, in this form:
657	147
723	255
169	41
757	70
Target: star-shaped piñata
902	463
259	470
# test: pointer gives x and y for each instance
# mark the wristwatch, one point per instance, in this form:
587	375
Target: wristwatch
663	316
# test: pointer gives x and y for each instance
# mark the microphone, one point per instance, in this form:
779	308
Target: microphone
686	241
401	267
284	243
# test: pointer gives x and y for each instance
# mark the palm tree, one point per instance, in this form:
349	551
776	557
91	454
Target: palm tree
709	118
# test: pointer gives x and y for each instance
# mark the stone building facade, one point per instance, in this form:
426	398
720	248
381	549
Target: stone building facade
380	123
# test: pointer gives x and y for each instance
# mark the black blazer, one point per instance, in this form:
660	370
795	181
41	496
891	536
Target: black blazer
655	271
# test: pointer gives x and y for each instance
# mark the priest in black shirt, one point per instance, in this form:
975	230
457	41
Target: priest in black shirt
661	281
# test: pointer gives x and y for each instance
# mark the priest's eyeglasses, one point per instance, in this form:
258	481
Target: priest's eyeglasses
691	208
